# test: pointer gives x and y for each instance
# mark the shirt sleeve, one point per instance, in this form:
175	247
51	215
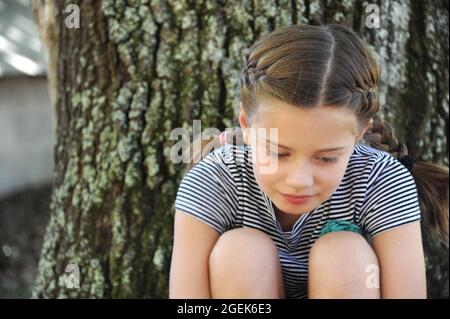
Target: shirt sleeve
391	199
208	193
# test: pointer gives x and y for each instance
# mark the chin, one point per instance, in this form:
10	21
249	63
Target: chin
296	209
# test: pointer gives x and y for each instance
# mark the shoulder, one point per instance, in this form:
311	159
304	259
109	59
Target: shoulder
226	156
224	163
377	164
208	191
226	153
369	154
231	154
390	197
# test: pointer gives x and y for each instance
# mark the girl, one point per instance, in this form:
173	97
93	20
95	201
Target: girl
339	216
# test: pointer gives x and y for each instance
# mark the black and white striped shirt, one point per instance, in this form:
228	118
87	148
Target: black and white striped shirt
376	193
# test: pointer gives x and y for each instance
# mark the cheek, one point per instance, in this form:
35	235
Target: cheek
330	177
261	178
266	181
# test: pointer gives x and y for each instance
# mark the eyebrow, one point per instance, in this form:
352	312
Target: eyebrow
322	150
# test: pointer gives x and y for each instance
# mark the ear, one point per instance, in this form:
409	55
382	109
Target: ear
243	122
368	126
364	130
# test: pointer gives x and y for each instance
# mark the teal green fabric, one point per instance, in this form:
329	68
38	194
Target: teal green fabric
340	225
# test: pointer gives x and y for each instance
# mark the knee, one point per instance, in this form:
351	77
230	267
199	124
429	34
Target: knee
344	261
244	263
243	244
340	251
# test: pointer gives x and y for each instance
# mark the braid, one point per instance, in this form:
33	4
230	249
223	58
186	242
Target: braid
365	102
382	136
250	73
431	179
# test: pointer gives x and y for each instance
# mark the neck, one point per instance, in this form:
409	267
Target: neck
286	221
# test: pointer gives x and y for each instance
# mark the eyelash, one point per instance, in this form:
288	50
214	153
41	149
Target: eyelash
324	159
329	159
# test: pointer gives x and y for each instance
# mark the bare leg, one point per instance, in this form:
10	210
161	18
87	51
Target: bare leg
343	265
244	263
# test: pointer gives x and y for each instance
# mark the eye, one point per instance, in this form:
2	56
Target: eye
279	155
328	159
282	155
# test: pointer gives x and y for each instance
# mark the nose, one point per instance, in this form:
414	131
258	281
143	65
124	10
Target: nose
300	177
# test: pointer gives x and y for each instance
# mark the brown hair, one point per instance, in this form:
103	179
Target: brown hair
308	66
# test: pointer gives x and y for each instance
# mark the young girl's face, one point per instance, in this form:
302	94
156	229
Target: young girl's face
297	163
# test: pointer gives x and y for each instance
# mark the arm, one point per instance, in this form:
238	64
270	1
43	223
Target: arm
189	272
402	263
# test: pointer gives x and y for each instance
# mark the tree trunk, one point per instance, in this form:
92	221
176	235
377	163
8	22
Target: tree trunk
135	70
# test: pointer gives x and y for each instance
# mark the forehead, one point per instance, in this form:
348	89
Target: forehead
319	124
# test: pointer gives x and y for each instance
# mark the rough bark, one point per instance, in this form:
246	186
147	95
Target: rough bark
135	70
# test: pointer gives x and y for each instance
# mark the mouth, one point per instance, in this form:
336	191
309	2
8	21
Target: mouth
297	196
297	199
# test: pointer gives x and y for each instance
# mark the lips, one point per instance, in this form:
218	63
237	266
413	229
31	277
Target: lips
298	196
297	199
